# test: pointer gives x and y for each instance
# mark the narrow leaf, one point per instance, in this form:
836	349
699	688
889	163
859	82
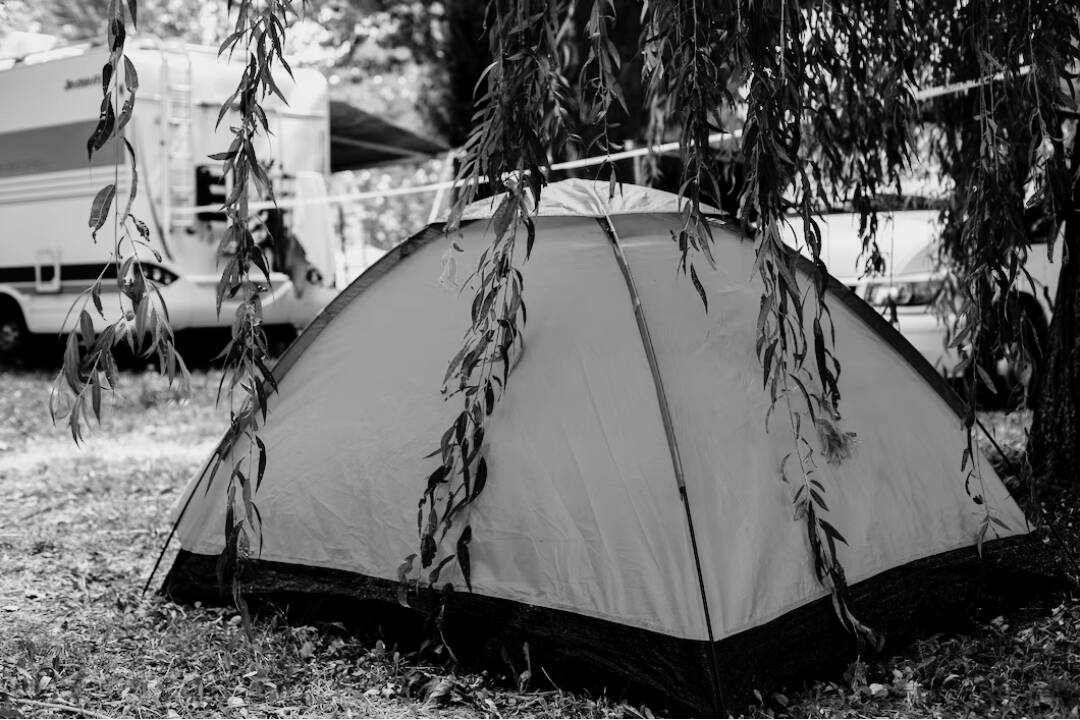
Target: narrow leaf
481	478
698	286
463	555
99	209
403	580
433	577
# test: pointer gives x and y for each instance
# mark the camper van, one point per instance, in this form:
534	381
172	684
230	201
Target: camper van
47	185
906	293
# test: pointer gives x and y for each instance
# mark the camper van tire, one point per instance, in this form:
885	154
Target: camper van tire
12	329
1014	370
1018	370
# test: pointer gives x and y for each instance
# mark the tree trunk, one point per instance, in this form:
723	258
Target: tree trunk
1054	447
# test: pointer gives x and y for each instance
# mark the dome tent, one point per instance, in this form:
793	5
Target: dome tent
580	540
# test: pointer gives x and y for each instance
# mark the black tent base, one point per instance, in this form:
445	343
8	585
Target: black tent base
942	593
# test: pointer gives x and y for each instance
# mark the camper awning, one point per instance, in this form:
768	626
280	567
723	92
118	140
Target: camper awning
359	139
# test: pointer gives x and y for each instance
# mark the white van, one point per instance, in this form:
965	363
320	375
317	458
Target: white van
47	185
904	293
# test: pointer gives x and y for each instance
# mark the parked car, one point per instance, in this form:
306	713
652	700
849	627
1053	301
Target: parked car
911	282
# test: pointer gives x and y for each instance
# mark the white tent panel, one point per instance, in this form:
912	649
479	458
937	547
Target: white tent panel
588	199
581	513
900	498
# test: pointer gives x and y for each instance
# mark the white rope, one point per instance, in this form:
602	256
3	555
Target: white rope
955	88
714	139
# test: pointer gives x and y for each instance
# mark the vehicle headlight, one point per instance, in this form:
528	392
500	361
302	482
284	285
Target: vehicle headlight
159	275
903	294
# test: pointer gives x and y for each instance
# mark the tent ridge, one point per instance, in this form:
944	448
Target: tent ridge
672	441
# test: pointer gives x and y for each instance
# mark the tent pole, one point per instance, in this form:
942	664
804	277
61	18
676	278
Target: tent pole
673	447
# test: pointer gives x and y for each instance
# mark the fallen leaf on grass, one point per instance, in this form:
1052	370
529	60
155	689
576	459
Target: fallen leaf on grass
439	691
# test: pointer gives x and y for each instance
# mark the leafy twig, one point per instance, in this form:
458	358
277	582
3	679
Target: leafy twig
521	114
89	366
259	29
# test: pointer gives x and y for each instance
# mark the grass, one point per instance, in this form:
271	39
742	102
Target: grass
1026	664
80	528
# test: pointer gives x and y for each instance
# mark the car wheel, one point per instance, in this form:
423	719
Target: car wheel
1021	361
12	332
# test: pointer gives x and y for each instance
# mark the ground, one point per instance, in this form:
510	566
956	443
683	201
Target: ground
81	527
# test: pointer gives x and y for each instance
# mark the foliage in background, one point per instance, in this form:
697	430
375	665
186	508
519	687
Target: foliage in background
77	20
830	120
386	221
1013	162
89	366
380	55
259	33
525	103
521	114
139	317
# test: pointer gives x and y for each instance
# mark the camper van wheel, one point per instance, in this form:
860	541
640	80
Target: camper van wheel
12	329
1019	365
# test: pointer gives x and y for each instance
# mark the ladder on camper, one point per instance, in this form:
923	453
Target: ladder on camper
177	125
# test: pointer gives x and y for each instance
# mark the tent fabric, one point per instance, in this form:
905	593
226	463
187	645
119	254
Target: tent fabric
581	198
582	515
359	139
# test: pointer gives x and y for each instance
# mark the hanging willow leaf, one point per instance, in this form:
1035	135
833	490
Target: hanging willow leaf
403	572
829	113
481	478
433	576
262	462
831	532
104	129
86	328
463	555
428	547
99	209
698	287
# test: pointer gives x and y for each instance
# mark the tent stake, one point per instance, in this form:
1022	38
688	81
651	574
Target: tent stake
673	447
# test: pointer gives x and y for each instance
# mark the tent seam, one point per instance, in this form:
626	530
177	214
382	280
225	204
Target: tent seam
672	441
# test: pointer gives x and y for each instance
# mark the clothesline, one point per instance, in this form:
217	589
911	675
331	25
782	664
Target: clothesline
714	139
959	87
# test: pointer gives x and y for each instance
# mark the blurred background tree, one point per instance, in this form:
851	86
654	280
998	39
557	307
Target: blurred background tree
418	62
379	55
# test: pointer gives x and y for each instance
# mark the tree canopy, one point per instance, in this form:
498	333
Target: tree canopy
823	98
